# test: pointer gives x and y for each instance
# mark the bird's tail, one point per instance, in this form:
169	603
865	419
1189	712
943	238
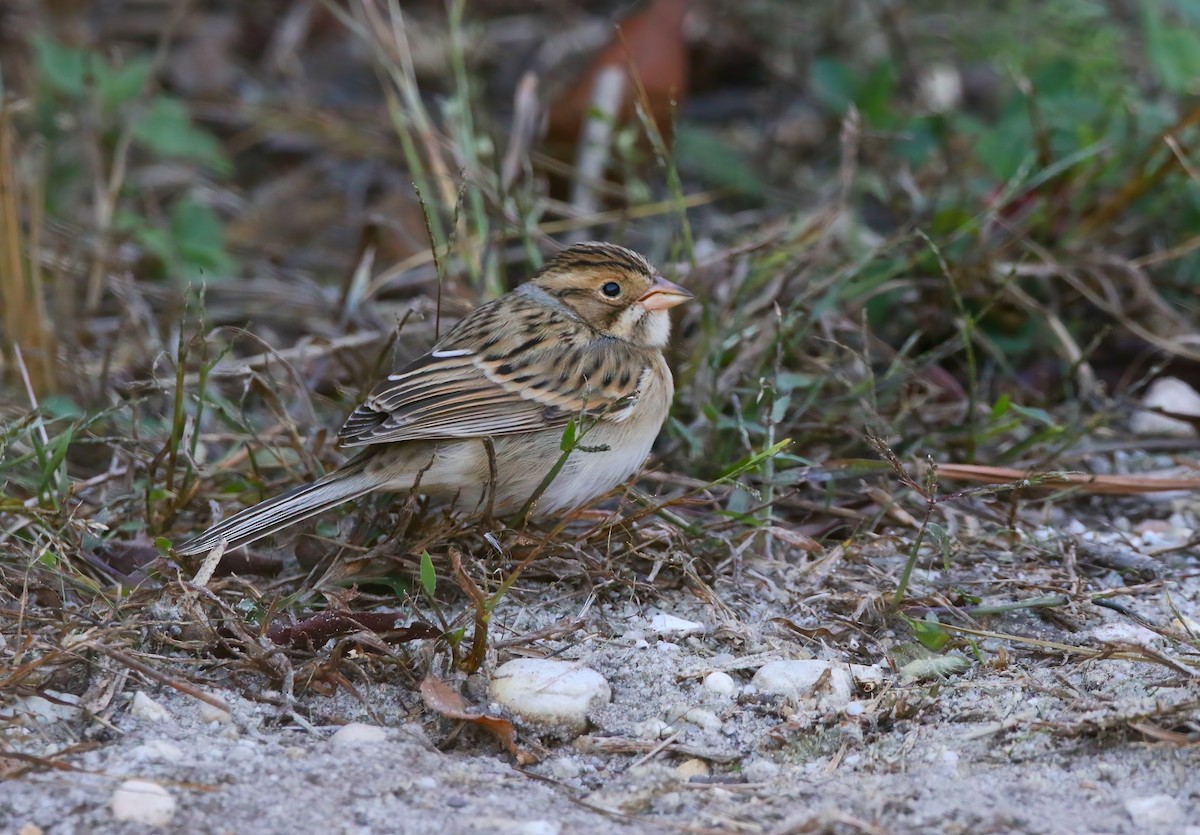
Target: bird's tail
342	485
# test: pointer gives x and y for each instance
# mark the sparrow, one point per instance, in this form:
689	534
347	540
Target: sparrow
480	420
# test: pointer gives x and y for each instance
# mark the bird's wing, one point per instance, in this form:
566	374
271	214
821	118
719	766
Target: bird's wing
471	386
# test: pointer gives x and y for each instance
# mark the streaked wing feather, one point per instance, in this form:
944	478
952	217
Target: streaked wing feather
451	394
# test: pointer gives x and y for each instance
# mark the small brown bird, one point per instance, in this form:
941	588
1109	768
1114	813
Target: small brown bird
582	340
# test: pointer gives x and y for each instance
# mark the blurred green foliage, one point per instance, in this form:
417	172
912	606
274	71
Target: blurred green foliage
83	87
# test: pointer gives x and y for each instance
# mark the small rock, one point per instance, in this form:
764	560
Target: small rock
720	683
798	679
212	713
36	710
1157	810
1125	633
534	828
665	624
636	638
855	708
653	729
142	802
1170	395
760	770
565	768
703	718
867	677
157	750
694	767
550	692
30	829
144	707
358	733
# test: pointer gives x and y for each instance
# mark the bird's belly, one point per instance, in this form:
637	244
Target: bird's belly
459	471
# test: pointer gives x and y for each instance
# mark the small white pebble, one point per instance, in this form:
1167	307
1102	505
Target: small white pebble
867	676
1171	395
565	768
720	683
855	709
533	828
950	757
760	770
358	733
665	624
142	802
212	713
144	707
799	679
1155	811
550	692
157	749
703	718
653	729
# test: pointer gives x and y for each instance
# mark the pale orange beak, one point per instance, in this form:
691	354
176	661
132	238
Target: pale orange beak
663	295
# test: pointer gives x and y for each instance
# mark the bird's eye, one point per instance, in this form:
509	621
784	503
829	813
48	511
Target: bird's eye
611	289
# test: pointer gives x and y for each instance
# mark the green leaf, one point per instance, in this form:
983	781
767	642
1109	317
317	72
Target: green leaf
568	436
199	237
1003	402
118	85
930	632
753	461
63	67
61	406
167	129
779	408
428	574
712	159
833	83
1172	51
1037	415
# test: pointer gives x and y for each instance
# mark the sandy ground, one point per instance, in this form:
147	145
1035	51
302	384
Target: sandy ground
1027	738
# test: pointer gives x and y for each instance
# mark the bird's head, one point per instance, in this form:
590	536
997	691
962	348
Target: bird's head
614	290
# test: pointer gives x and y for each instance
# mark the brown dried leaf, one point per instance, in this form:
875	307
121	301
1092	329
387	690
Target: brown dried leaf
441	698
318	629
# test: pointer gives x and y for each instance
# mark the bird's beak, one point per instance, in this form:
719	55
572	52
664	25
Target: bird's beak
664	295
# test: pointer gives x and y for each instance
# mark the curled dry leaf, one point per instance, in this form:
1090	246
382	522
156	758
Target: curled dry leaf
649	48
318	629
441	698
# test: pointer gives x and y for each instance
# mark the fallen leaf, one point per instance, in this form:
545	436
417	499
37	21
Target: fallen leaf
441	698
